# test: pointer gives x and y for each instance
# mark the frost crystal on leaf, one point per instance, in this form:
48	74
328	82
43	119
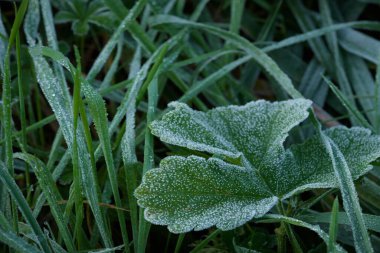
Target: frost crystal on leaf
196	193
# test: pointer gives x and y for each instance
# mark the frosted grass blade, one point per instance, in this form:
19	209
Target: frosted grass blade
128	143
211	79
52	195
99	115
107	49
77	187
377	99
349	195
372	221
17	243
14	190
347	104
7	99
270	218
144	226
63	111
333	230
51	36
363	85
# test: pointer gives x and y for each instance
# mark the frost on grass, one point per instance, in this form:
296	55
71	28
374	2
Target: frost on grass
195	193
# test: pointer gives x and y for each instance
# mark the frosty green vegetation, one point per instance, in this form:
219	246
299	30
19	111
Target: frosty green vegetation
250	171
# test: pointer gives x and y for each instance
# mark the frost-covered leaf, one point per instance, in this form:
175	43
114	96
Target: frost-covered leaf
196	193
309	165
201	193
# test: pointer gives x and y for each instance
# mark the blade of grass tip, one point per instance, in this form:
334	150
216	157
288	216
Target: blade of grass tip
205	241
77	187
98	111
128	142
179	242
349	195
15	192
347	104
333	230
144	226
52	194
7	99
17	243
22	111
377	98
107	49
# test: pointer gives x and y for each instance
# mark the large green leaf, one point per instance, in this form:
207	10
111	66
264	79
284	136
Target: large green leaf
250	171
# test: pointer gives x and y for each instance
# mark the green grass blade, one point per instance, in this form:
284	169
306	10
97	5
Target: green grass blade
255	53
99	115
144	226
315	33
128	142
237	9
7	99
17	243
14	190
211	79
332	40
372	221
77	186
349	195
22	110
52	40
204	242
52	195
360	44
333	230
179	242
271	218
107	49
377	98
114	66
363	85
63	111
56	174
348	105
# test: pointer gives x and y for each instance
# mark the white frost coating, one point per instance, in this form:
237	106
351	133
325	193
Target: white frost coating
32	21
63	110
194	193
202	193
